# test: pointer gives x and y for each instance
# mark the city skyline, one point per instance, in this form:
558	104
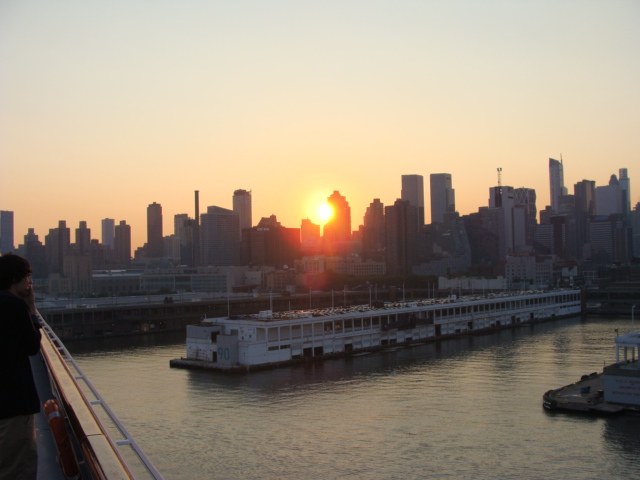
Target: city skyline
357	219
107	108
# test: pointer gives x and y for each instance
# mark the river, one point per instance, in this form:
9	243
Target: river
463	408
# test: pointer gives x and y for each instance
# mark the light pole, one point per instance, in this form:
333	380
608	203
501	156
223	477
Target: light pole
345	295
369	296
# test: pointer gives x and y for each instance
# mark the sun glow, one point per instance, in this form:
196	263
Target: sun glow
324	212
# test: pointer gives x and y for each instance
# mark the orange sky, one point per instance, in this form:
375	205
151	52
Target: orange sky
109	106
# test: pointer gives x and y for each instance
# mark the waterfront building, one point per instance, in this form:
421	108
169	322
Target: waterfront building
413	192
219	237
442	196
122	244
529	271
271	244
108	232
154	231
556	182
6	231
242	208
401	237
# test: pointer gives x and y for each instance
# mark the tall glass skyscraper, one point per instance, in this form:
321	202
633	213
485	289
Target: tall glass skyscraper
242	208
556	183
443	196
413	192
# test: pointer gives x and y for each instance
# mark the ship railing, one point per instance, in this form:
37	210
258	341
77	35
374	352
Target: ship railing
108	448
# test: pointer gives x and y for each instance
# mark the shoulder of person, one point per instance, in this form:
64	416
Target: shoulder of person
7	299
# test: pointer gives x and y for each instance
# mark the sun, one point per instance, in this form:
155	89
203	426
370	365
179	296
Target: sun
324	212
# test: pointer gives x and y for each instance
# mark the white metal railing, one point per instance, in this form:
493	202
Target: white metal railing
124	445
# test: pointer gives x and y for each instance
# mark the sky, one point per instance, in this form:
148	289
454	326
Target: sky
108	106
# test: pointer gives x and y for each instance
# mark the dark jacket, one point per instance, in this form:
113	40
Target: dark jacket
19	338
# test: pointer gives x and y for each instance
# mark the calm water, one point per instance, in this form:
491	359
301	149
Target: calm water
463	408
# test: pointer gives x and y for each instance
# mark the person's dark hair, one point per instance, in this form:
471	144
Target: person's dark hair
13	269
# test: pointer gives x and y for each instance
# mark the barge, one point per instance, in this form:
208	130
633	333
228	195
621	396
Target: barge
268	339
615	390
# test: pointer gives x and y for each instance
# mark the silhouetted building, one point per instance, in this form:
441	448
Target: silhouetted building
442	194
401	227
34	251
83	239
337	231
270	244
585	204
610	239
556	183
609	198
219	237
6	231
373	231
310	237
122	244
108	232
625	190
526	198
242	208
154	231
413	192
57	246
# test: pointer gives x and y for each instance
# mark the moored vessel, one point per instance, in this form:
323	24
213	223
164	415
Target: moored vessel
245	342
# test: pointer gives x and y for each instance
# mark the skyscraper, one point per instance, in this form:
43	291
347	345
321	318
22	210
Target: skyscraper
338	228
526	198
585	202
6	231
108	232
242	208
556	182
401	229
219	237
57	245
83	238
443	199
413	192
609	198
625	190
373	232
122	244
154	230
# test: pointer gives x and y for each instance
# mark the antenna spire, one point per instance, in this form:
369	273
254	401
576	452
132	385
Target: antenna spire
499	176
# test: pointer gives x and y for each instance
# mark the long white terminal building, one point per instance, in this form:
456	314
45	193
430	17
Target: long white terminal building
269	339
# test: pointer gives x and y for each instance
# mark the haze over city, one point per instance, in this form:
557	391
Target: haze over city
109	107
